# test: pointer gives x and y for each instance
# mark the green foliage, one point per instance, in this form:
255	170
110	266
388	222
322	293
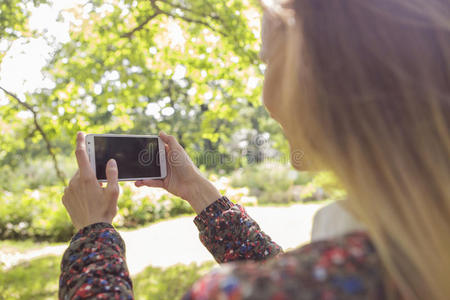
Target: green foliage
13	17
170	283
190	68
272	182
40	215
276	183
34	214
33	174
328	181
269	176
38	280
137	208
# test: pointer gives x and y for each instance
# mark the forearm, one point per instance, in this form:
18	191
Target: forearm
229	233
94	265
202	194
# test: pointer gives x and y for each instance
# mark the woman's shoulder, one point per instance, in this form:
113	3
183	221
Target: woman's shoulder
355	248
350	259
345	267
339	268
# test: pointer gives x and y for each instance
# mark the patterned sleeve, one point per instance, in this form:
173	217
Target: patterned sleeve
346	268
229	233
94	266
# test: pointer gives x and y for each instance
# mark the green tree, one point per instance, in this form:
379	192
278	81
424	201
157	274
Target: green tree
188	67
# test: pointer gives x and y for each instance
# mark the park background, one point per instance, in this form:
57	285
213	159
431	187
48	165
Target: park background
188	67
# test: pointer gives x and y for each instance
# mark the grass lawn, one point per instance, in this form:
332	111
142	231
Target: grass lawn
38	279
11	246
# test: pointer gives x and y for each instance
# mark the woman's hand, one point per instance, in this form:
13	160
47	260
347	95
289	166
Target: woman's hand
85	200
183	178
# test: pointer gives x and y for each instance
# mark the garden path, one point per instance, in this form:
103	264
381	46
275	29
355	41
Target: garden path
176	241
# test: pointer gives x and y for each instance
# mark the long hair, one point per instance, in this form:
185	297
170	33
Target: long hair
368	87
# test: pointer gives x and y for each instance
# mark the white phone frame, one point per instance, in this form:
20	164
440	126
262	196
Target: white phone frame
90	148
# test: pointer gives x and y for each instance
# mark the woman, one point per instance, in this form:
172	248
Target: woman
363	89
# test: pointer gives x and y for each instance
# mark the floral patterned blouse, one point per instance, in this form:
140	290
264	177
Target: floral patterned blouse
254	266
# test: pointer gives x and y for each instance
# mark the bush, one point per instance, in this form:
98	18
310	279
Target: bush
328	182
40	215
34	174
276	183
272	182
34	214
268	176
142	206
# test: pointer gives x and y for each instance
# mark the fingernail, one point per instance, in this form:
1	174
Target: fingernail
112	163
162	132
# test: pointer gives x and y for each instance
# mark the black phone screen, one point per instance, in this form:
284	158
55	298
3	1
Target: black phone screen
136	157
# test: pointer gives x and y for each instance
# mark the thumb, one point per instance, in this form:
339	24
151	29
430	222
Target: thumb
169	140
150	183
112	174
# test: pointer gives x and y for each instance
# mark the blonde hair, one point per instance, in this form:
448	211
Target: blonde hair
368	87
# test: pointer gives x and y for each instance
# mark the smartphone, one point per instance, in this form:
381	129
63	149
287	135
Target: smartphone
138	157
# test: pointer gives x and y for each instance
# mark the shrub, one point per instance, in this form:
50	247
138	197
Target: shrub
330	185
268	176
34	174
142	206
272	182
34	214
276	183
40	215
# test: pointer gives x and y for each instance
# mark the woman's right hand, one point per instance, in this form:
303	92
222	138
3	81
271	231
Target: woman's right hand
183	178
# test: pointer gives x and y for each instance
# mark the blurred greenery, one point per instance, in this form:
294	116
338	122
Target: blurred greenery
24	245
276	183
28	281
190	68
39	214
36	279
34	213
170	283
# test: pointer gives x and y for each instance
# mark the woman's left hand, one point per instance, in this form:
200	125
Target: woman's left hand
85	200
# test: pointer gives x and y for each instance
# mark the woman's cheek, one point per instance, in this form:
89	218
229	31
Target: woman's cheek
271	91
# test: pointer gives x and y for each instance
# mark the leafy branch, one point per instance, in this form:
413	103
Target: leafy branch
140	26
38	127
159	11
184	8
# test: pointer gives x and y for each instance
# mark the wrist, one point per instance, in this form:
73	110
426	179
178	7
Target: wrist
203	193
92	222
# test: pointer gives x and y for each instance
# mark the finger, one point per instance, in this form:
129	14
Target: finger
168	165
82	157
112	176
169	140
150	183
